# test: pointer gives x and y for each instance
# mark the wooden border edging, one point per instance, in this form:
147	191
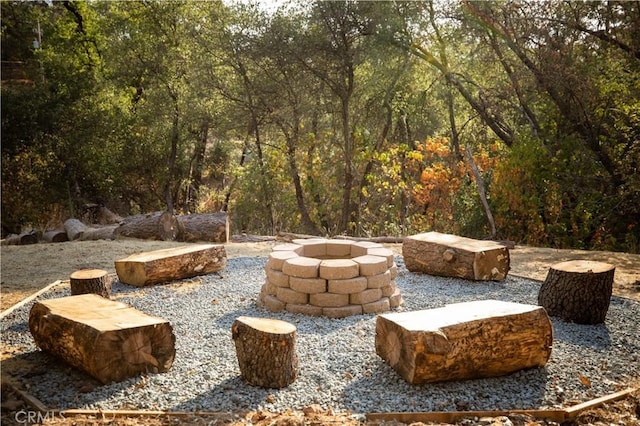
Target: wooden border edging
29	299
560	415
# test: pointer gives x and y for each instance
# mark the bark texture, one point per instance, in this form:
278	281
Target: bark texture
55	236
212	227
578	291
75	229
25	238
453	256
469	340
87	281
109	340
171	264
266	351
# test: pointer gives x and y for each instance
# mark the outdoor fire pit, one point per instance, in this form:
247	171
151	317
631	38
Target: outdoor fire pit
334	278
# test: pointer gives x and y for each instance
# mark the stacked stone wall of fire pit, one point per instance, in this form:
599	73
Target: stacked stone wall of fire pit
334	278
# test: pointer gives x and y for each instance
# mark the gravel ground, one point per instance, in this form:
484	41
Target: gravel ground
339	368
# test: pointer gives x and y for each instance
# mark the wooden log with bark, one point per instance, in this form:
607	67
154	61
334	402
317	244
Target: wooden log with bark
87	281
107	339
209	227
55	236
75	229
453	256
468	340
266	351
578	291
105	232
171	264
212	227
25	238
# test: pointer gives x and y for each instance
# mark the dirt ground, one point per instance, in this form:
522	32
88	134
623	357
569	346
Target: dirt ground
27	269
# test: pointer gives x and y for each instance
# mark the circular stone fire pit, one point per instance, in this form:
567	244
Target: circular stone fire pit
334	278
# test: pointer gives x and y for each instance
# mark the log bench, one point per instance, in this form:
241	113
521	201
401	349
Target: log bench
485	338
107	339
159	266
453	256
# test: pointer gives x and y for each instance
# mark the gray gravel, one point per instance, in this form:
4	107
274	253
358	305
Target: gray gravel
339	368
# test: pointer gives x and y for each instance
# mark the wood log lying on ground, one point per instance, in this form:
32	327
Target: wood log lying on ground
106	232
75	229
266	351
55	236
453	256
30	237
469	340
213	227
210	227
171	264
578	291
87	281
107	339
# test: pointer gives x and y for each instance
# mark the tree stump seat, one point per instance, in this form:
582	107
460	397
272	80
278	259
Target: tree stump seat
96	281
468	340
578	291
171	264
266	351
454	256
107	339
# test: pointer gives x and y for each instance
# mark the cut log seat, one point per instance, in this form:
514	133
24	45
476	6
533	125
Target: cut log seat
171	264
266	351
453	256
107	339
578	291
468	340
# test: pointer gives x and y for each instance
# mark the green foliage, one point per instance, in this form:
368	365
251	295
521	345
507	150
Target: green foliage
151	105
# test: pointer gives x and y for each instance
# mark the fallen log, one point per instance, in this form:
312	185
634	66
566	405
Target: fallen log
55	236
485	338
144	226
211	227
29	237
106	232
107	339
171	264
74	228
266	351
453	256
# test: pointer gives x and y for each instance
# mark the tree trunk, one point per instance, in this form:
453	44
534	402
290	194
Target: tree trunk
109	340
211	227
55	236
578	291
86	281
20	240
75	229
453	256
481	191
486	338
266	351
171	264
106	232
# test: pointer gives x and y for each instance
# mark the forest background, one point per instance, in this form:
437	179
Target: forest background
514	120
